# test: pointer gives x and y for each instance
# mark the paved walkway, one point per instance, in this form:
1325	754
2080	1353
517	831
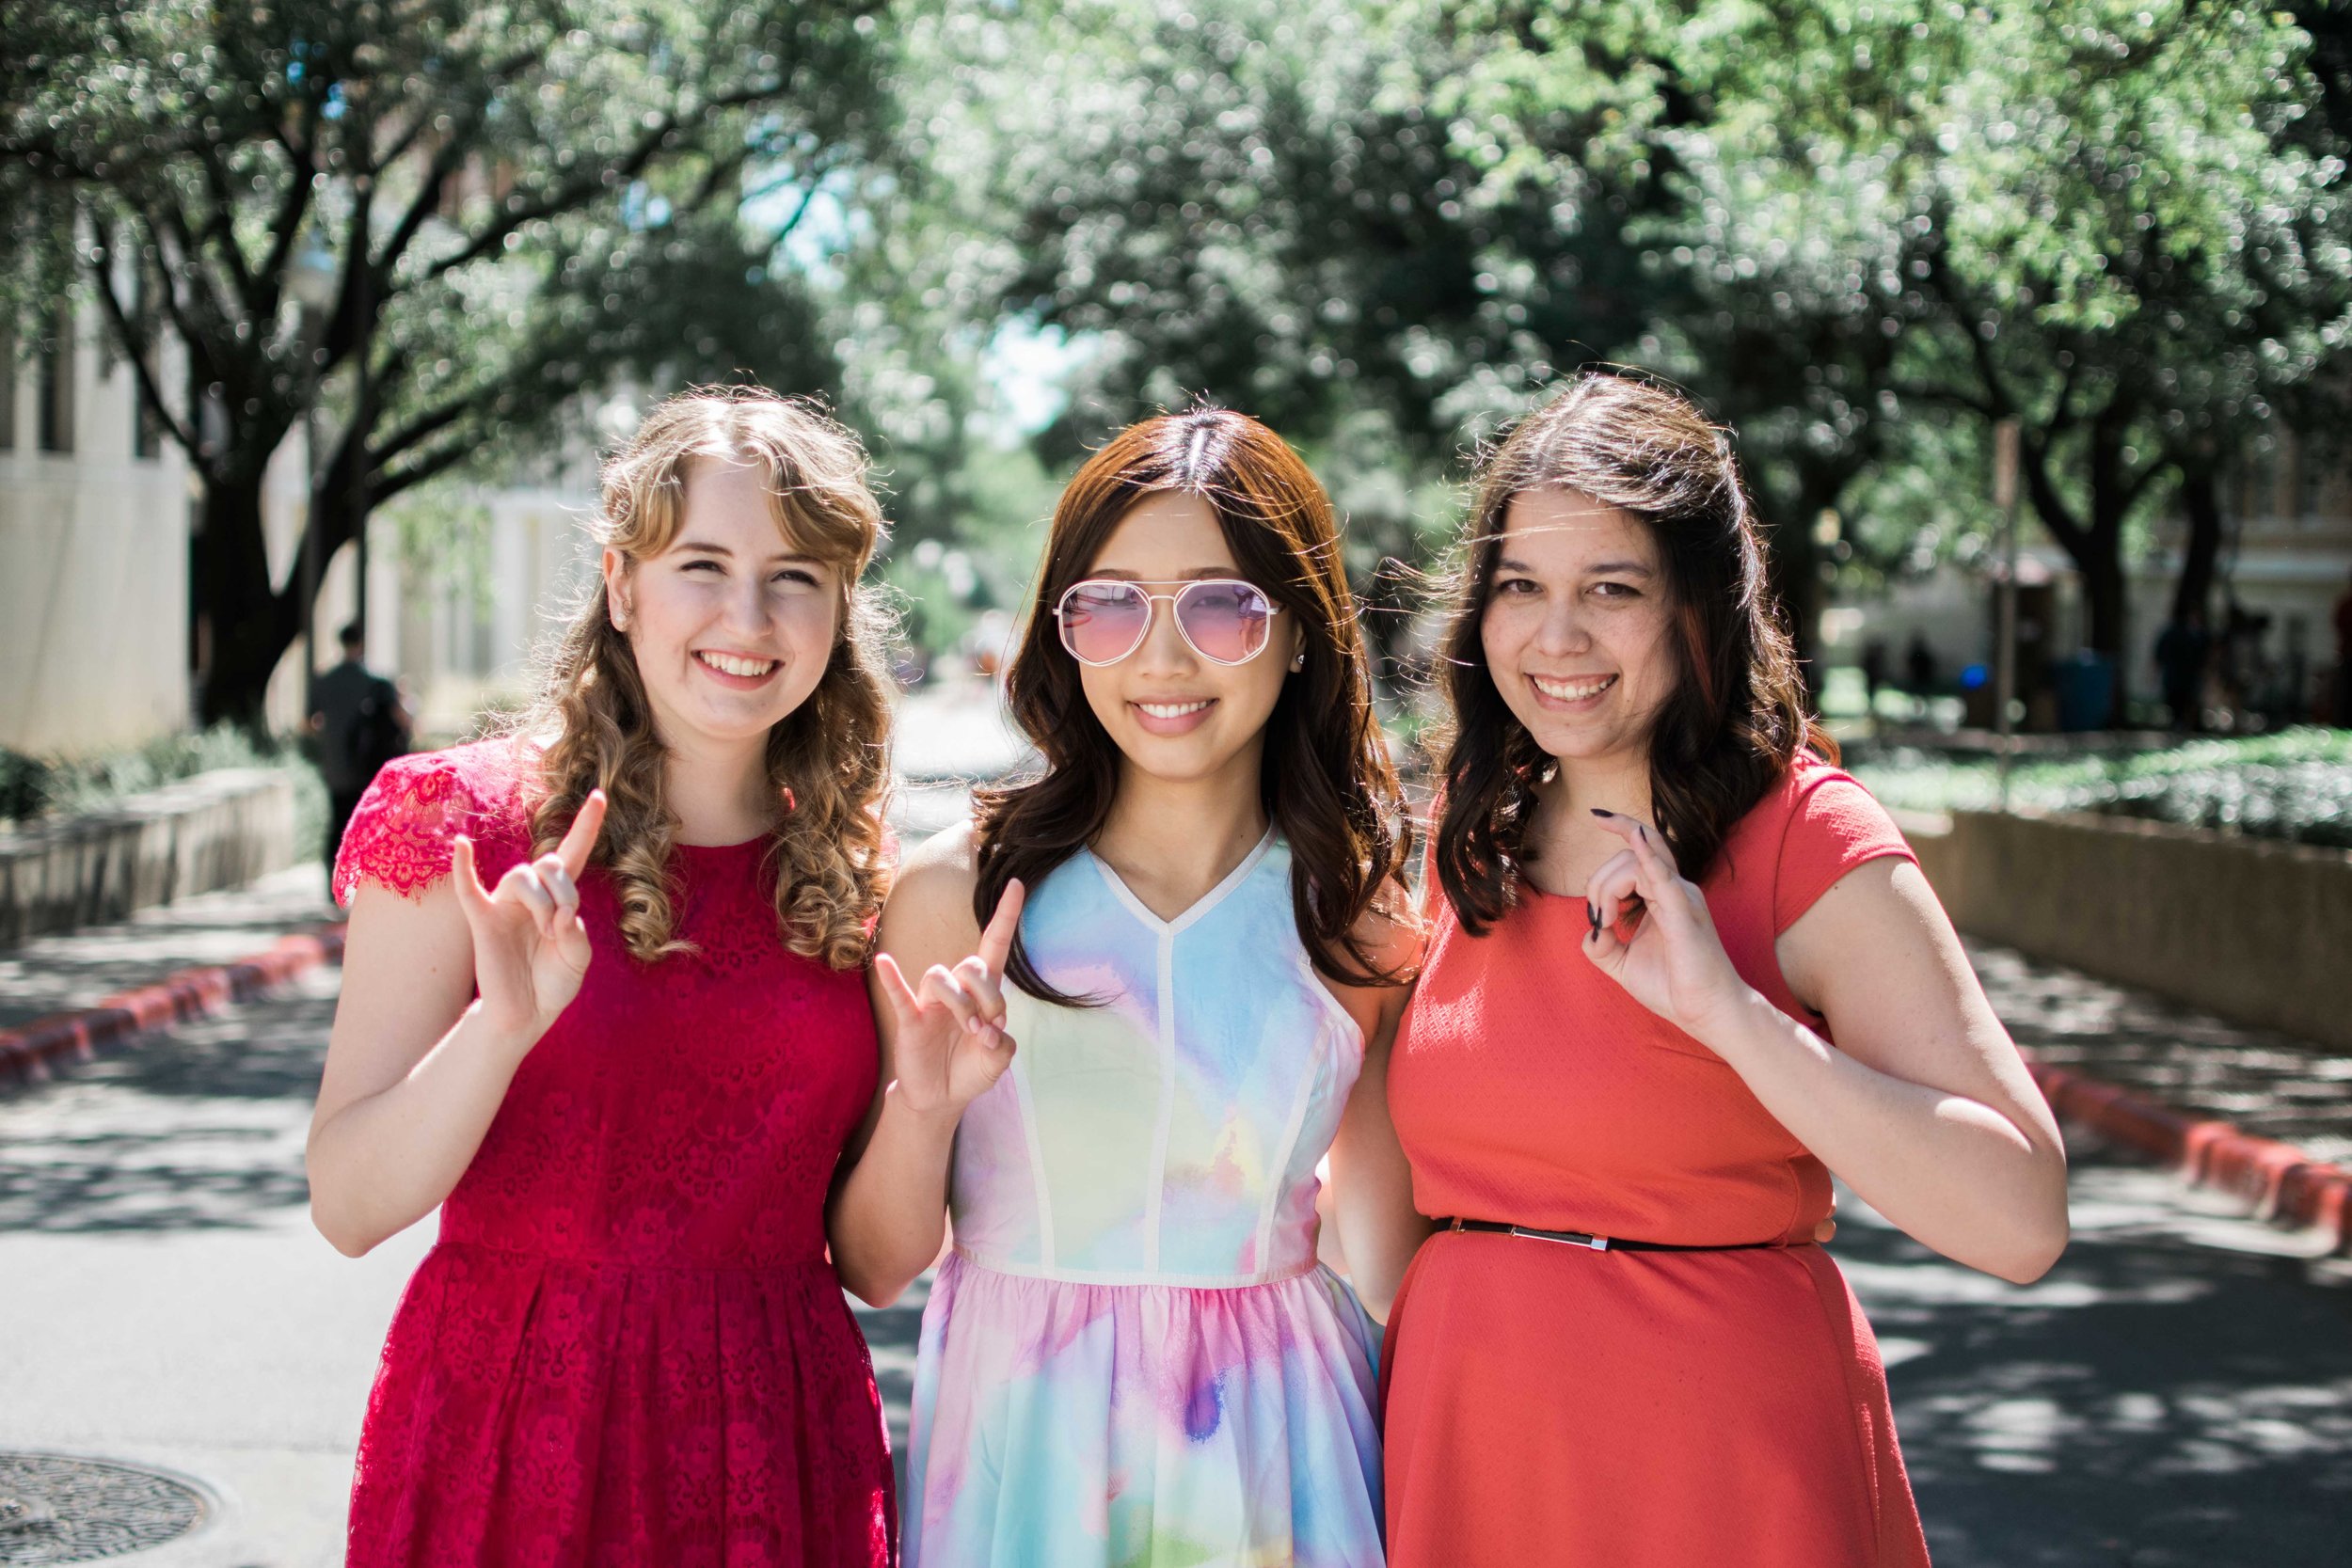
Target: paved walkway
2269	1085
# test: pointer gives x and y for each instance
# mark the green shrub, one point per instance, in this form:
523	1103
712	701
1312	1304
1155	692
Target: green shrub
2295	784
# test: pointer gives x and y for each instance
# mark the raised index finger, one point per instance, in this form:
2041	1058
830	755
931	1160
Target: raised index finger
996	941
582	837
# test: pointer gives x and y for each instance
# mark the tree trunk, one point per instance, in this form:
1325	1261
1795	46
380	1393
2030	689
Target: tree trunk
245	623
2201	502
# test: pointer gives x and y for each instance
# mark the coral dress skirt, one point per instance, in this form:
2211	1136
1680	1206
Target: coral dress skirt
1550	1404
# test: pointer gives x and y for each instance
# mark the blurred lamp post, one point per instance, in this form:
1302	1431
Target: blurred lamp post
311	279
2006	436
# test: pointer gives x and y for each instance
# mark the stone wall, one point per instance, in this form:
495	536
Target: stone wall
2254	930
218	829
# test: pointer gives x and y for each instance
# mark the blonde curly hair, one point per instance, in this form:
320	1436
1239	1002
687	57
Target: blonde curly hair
828	760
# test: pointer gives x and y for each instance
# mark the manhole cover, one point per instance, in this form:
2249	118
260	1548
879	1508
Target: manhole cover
54	1508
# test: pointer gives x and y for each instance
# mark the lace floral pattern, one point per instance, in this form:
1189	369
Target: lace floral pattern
401	833
628	1346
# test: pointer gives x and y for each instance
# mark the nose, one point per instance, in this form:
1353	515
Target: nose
1563	631
744	611
1165	650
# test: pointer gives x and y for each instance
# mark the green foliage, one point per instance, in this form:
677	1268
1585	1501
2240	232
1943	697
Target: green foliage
2295	784
1860	232
33	787
517	201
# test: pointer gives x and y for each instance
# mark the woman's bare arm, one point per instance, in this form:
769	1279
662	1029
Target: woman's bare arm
415	1065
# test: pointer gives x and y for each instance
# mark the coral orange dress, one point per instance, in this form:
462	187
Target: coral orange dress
1550	1404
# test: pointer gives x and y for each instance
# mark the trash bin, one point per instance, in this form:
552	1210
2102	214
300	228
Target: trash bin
2086	691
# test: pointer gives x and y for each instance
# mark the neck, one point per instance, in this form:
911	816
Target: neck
1186	833
718	791
1617	782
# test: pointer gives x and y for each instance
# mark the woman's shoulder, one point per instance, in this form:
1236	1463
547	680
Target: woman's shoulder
401	834
1816	823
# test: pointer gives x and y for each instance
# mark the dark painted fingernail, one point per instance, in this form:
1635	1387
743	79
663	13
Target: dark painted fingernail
1597	812
1592	912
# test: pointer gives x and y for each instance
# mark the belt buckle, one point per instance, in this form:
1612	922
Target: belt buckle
1565	1238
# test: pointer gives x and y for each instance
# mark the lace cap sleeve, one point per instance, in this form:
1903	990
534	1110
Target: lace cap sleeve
401	833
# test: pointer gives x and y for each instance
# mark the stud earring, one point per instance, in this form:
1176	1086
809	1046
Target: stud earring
1298	661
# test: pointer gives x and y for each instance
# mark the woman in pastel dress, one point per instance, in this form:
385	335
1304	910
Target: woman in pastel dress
1123	1087
625	1072
1684	970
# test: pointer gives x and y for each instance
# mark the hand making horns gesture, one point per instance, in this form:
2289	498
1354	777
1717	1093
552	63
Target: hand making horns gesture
1672	962
951	1043
529	948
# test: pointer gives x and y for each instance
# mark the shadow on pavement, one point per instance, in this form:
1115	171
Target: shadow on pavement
194	1127
2162	1399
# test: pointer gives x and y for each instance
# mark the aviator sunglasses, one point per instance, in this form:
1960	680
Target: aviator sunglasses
1224	620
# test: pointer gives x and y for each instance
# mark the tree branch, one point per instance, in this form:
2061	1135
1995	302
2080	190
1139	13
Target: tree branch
138	346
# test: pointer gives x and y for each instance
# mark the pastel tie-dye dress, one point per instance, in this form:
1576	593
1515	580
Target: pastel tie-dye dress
1132	1355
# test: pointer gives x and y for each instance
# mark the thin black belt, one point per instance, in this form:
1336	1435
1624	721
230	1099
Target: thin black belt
1597	1243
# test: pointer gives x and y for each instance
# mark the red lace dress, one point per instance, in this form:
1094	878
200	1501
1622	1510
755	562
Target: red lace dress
627	1345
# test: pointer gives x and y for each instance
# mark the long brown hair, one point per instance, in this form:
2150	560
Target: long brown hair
1736	719
828	760
1324	781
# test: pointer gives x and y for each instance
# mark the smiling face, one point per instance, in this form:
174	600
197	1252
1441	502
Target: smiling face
1578	623
1173	714
731	625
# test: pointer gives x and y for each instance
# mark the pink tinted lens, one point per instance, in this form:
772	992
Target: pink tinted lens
1102	622
1226	621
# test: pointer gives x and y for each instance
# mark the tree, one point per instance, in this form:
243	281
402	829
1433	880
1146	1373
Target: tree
522	200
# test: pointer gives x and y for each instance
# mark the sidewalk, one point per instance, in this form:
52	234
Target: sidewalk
2269	1085
74	969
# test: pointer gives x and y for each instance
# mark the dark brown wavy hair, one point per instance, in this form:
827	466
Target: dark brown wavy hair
1736	719
828	760
1325	781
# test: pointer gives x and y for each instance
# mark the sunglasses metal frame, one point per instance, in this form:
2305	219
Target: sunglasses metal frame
1151	599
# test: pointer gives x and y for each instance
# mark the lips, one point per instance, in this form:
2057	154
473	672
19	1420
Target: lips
1174	718
1571	688
740	670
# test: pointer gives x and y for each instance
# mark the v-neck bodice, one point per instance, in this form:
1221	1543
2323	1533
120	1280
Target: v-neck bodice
1170	1134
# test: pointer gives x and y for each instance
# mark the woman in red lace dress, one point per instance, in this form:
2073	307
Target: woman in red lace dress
625	1069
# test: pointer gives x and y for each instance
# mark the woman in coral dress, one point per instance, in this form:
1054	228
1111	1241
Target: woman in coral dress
626	1073
1616	1085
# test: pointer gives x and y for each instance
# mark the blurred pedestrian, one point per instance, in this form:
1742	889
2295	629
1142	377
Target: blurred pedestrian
625	1070
1873	670
2184	650
1919	666
362	722
1660	905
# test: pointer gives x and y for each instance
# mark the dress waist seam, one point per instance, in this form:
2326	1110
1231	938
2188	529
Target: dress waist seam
529	1254
1135	1278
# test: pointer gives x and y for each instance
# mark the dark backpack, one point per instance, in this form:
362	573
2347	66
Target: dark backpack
377	735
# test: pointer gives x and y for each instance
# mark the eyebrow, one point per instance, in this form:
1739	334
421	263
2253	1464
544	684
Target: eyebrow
1620	568
696	547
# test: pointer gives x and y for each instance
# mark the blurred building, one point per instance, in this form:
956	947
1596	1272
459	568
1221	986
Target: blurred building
99	646
95	512
2286	559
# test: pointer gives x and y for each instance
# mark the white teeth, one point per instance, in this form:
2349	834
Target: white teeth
730	664
1573	691
1170	710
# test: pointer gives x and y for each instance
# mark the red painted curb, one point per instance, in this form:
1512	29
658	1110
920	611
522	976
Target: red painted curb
2279	1180
26	1053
